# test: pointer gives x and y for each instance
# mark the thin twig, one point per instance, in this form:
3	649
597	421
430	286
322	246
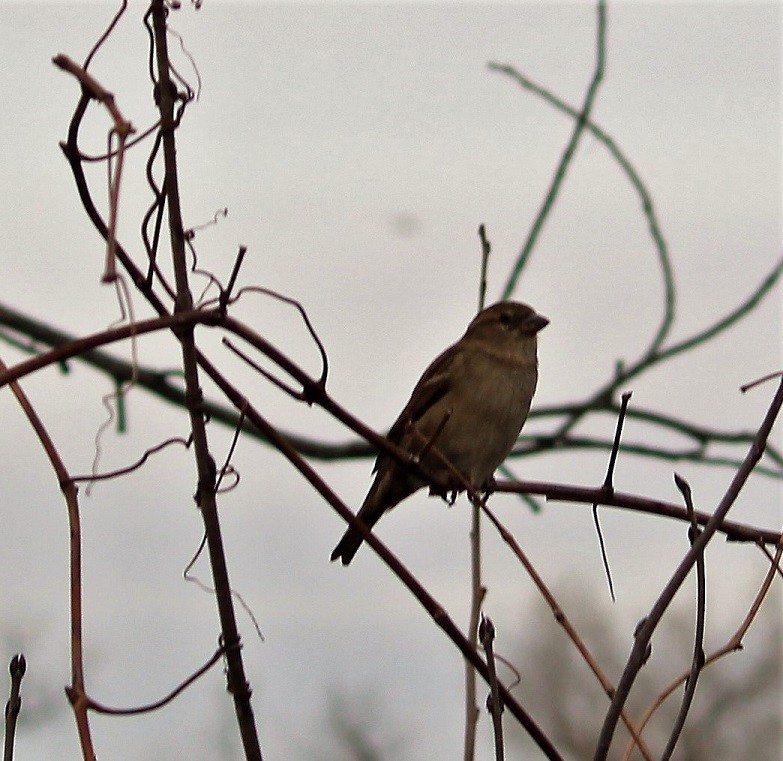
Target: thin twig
226	294
477	590
486	249
770	376
568	154
486	634
106	33
94	705
274	380
305	318
633	176
608	481
609	488
136	465
697	663
16	668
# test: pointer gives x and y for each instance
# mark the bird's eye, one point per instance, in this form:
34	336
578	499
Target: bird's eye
505	319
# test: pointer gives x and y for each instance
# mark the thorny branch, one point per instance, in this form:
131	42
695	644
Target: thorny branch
608	487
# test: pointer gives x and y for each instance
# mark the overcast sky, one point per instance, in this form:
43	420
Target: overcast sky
357	149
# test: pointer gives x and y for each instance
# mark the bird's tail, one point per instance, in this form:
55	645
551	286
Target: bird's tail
387	490
347	546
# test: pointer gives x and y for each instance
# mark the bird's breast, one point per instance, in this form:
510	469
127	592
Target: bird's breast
485	418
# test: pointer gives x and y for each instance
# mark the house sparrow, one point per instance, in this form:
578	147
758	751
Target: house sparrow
470	405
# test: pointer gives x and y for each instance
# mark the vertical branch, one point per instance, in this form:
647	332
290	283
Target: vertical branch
75	691
477	589
494	702
476	598
697	662
609	488
205	492
17	667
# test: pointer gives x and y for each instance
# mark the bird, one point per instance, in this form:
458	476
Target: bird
468	407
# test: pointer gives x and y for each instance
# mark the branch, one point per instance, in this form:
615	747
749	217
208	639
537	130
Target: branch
567	156
645	631
697	662
205	464
436	611
736	532
16	668
644	196
486	635
85	349
69	491
162	384
733	645
100	708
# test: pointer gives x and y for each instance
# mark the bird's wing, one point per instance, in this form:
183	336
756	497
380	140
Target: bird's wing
431	388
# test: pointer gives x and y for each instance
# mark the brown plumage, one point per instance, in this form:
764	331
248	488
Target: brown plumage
470	404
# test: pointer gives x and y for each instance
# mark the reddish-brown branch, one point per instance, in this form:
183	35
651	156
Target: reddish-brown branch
734	531
436	611
94	705
237	683
82	345
76	690
123	129
136	465
95	90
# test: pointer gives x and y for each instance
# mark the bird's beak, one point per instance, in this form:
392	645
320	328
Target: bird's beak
537	322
